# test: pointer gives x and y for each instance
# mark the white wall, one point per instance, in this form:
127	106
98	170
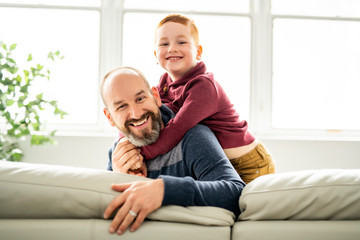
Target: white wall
289	155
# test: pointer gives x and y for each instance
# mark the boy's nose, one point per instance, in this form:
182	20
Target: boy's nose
172	48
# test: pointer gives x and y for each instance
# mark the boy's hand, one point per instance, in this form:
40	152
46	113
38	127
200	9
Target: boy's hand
126	157
142	171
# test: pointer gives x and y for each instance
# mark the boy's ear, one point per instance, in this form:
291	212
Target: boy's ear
155	54
199	52
108	116
156	95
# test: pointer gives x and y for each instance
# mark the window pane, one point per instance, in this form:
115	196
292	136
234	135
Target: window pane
190	5
226	52
316	74
330	8
74	80
88	3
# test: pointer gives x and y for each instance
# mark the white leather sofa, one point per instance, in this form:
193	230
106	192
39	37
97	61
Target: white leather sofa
58	202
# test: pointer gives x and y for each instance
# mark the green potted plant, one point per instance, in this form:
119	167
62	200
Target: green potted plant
19	106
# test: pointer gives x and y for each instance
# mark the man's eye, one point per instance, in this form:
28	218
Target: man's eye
140	99
120	107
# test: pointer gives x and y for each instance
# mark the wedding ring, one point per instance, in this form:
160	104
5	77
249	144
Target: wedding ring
132	213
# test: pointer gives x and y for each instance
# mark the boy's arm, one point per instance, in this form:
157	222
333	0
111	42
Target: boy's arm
200	102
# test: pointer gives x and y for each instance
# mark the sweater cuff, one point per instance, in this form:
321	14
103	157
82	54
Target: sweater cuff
174	191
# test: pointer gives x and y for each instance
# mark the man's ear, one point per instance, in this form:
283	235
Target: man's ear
156	95
199	52
108	116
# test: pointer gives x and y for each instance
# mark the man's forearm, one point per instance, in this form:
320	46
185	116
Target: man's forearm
189	192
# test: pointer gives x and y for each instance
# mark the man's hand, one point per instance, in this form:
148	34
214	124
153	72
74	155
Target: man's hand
137	201
126	158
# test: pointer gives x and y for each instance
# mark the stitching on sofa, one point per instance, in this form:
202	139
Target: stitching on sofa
58	186
302	187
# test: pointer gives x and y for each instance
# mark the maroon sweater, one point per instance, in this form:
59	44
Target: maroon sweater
197	98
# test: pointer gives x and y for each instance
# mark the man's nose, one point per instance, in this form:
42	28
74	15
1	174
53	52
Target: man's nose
135	112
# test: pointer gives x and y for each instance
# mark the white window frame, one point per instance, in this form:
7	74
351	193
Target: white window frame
111	24
261	80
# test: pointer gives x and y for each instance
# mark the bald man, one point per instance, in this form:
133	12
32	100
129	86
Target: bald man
196	172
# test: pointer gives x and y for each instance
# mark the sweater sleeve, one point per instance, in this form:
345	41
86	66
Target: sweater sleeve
214	182
199	98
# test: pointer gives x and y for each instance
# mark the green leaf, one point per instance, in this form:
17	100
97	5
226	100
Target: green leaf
18	79
36	126
24	89
58	111
40	139
13	70
51	56
11	60
9	102
13	46
22	119
16	155
25	132
20	104
39	96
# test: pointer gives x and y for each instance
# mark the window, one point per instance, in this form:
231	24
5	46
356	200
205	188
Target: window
315	64
290	67
225	6
75	33
316	74
226	53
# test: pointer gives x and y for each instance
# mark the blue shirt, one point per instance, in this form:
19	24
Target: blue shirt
196	172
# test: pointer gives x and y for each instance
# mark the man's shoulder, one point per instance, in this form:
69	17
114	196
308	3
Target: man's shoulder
200	136
199	131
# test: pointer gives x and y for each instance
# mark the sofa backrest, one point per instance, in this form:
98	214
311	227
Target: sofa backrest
328	194
38	191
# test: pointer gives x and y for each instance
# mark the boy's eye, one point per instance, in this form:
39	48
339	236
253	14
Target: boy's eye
182	42
163	44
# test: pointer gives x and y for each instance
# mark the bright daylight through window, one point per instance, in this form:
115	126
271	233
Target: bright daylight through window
290	67
74	79
316	59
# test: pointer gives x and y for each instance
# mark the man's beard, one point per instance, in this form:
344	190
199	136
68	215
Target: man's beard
146	137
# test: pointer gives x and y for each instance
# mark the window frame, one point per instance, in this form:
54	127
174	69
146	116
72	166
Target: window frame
261	80
261	20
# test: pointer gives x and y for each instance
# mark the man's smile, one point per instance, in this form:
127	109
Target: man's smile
140	122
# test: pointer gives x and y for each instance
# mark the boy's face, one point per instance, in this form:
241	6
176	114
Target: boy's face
175	49
133	108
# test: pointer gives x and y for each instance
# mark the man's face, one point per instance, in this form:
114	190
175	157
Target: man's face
132	107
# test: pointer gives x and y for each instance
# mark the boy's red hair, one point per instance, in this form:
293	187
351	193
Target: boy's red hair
177	18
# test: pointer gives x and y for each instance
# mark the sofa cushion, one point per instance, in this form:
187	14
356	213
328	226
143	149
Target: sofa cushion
36	191
329	194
